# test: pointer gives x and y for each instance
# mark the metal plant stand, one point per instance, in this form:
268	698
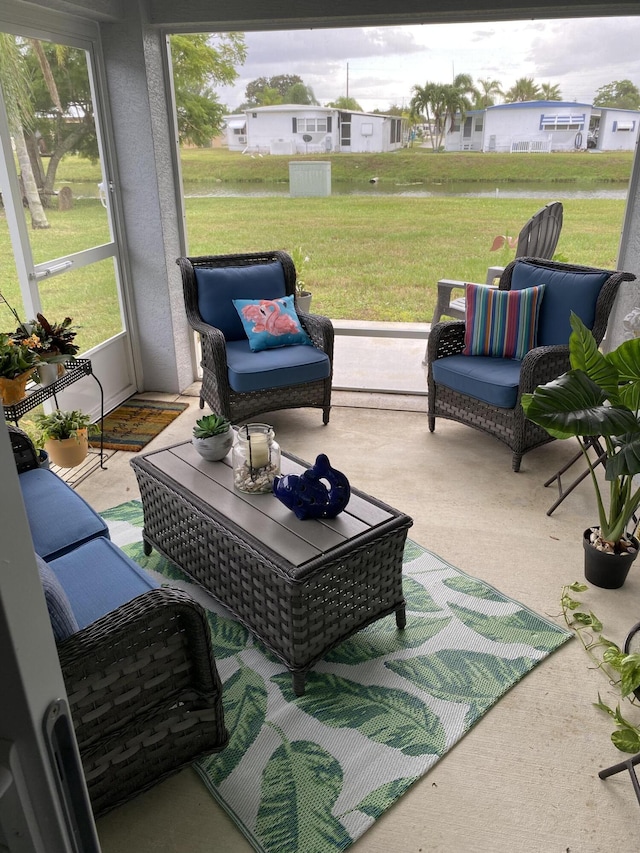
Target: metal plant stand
75	369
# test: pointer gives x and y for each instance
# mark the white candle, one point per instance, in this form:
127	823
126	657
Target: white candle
258	450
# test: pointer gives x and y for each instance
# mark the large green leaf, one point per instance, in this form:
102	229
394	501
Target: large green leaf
626	460
626	361
383	714
574	405
417	598
462	676
412	551
383	638
474	588
586	356
300	785
378	801
130	512
245	708
520	627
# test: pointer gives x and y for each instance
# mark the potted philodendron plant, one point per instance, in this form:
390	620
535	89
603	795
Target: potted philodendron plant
600	397
212	437
66	436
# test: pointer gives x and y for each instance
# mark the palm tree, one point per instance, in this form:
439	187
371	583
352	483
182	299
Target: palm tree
549	92
422	103
524	89
489	91
17	98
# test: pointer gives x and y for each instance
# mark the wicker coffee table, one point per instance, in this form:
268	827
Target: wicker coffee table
301	587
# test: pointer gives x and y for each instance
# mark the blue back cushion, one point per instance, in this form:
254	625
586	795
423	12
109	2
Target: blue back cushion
47	500
217	288
565	292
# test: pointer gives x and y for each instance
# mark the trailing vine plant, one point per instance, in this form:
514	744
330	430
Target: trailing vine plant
622	670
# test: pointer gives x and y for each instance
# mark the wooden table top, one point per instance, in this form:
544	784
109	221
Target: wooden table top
263	518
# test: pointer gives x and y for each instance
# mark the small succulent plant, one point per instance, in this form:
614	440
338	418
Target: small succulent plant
210	425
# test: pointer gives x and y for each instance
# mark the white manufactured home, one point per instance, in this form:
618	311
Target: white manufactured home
297	129
543	126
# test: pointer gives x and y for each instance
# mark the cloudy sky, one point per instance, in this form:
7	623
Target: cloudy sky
382	65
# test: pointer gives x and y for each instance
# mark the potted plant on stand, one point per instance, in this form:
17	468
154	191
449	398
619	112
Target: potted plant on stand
212	437
52	342
600	397
66	436
303	296
17	363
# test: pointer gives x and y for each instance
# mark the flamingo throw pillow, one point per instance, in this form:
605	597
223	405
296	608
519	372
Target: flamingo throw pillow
271	323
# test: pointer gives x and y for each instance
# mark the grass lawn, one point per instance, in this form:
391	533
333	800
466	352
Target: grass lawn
371	257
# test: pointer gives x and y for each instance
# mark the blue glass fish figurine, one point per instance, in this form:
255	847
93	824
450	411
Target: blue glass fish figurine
307	495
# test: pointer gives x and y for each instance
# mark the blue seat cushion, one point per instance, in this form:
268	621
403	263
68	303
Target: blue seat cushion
58	517
493	380
217	288
98	577
274	368
565	292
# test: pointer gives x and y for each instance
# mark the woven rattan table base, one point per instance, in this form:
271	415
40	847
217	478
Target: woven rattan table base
301	587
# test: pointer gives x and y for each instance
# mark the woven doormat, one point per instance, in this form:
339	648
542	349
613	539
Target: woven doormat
136	422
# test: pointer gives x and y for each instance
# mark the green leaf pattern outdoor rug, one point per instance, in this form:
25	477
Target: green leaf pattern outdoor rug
311	774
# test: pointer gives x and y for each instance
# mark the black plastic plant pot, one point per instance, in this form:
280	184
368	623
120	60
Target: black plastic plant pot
608	571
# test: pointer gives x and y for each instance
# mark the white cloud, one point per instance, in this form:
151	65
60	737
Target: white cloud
382	64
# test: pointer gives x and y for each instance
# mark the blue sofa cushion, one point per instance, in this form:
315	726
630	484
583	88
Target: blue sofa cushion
98	577
47	500
274	368
494	380
217	288
565	292
270	323
63	621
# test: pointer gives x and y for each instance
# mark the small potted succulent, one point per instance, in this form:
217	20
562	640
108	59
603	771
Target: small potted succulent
66	436
212	437
600	397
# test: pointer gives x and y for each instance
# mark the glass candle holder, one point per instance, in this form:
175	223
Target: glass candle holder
255	458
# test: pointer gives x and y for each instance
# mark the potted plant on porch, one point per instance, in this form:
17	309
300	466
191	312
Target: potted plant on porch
66	436
302	296
17	363
212	437
600	397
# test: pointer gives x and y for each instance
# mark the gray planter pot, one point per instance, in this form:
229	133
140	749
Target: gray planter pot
216	447
303	302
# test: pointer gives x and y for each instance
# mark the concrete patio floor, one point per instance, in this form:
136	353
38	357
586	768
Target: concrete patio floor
525	778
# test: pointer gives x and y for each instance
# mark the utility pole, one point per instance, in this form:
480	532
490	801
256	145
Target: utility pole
347	81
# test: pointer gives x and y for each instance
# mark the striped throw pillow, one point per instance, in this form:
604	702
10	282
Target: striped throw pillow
501	323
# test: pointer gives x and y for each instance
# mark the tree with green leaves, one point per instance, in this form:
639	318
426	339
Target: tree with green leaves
17	97
442	104
524	89
487	93
349	105
300	94
200	63
281	83
550	92
61	101
622	94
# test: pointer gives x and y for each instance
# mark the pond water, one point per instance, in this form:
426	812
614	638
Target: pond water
408	190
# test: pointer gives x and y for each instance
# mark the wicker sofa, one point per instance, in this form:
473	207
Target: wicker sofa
142	684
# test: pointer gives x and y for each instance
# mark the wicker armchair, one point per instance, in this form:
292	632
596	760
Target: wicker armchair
588	291
283	378
144	694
